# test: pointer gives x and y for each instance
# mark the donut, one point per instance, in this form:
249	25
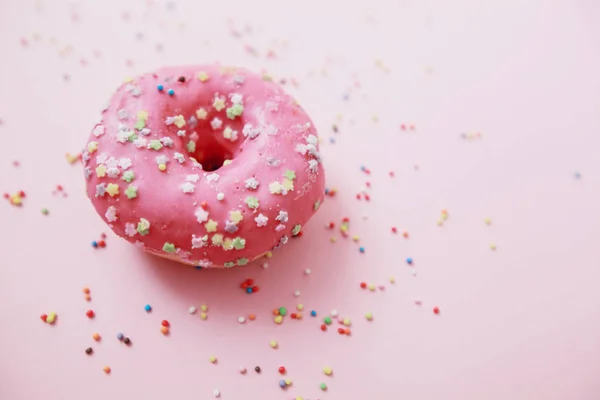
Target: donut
206	165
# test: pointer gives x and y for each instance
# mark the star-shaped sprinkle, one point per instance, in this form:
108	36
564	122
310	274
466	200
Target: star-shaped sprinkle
252	202
131	192
275	187
296	229
187	187
143	227
201	215
92	147
235	216
179	121
211	226
217	239
216	123
201	113
239	243
111	214
191	146
99	130
101	171
130	229
242	261
251	183
112	189
128	176
155	145
287	185
169	248
229	264
202	76
235	110
227	244
261	220
230	227
218	103
290	175
100	189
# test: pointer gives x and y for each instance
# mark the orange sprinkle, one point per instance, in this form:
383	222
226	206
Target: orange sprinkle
88	297
96	336
276	311
86	290
106	369
251	317
164	330
299	315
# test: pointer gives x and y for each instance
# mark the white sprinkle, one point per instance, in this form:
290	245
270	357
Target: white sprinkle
99	131
242	369
123	113
162	159
125	163
111	214
181	133
297	293
166	141
113	172
217	392
192	178
192	310
236	98
265	265
220	196
251	183
282	217
111	163
413	271
261	220
130	229
216	123
179	157
334	313
140	142
307	271
201	215
241	320
145	131
279	227
212	177
88	172
188	187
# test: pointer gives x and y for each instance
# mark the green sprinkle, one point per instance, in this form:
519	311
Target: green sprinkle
143	227
242	261
140	124
296	229
155	145
132	136
169	247
323	386
191	146
131	192
239	243
290	175
282	311
252	202
45	211
327	320
229	264
128	176
235	110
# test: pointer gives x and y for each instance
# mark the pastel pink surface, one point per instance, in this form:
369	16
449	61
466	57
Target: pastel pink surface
272	186
521	322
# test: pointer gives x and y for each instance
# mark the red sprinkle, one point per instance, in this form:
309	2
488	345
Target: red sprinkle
90	313
341	331
244	285
323	327
346	219
281	370
165	323
436	310
293	315
43	317
6	196
331	224
102	243
204	205
22	194
59	187
358	196
255	289
249	282
394	229
363	285
367	198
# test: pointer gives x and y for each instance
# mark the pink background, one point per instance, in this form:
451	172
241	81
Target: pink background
521	322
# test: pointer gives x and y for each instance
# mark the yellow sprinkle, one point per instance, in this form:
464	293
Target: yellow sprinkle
142	115
112	189
51	317
371	287
201	113
204	308
288	382
212	359
227	244
332	239
203	315
235	216
211	226
344	228
218	104
300	307
299	398
288	184
347	322
355	238
101	171
227	162
392	279
273	344
202	76
327	371
488	221
493	246
128	80
92	147
217	239
16	200
179	121
278	319
162	167
269	254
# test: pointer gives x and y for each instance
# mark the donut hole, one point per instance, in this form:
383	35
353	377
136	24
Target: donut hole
212	156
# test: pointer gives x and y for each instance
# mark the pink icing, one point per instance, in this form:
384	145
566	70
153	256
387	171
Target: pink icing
209	217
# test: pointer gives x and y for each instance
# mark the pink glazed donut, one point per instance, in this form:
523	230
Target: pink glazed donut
205	165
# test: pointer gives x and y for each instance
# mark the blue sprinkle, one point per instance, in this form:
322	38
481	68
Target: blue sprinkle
326	191
148	307
577	175
160	88
313	313
282	384
95	244
171	92
409	260
331	140
362	167
120	336
361	249
198	267
249	290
